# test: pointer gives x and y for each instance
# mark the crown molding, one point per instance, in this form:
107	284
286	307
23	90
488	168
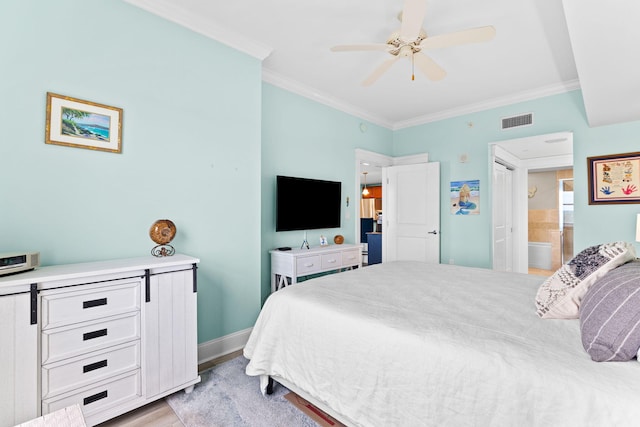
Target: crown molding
492	103
202	26
271	77
193	22
296	87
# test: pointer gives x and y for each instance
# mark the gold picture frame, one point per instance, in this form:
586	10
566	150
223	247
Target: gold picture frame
614	178
83	124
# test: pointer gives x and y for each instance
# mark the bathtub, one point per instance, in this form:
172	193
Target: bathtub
540	255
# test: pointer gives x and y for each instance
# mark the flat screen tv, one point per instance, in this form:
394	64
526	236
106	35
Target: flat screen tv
307	204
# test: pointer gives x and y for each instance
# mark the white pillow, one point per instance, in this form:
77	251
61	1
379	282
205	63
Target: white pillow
559	297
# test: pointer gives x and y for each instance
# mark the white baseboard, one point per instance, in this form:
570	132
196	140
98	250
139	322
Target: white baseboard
222	346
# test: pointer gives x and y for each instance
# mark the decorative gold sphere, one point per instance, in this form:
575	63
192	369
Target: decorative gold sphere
338	240
162	231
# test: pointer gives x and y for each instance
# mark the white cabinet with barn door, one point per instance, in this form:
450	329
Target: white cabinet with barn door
170	330
109	336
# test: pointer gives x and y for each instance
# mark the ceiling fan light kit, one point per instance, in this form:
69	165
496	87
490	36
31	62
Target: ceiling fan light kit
412	39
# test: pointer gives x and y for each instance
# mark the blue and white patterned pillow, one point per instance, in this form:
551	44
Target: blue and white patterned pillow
560	295
610	315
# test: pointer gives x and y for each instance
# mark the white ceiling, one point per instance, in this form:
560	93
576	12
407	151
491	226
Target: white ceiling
540	146
531	55
605	37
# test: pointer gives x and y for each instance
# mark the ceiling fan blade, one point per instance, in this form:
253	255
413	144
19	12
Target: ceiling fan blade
473	35
428	66
382	68
367	46
413	14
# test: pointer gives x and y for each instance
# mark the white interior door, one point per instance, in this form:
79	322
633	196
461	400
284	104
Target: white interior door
411	216
502	218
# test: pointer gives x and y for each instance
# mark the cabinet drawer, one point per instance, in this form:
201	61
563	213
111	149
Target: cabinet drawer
350	258
98	397
308	264
78	372
69	341
331	261
72	305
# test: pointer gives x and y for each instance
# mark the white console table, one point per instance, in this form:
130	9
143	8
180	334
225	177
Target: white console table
289	265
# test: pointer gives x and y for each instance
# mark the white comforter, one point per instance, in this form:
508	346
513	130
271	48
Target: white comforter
413	344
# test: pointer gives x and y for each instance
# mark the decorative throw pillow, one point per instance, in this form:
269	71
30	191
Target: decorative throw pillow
610	315
560	295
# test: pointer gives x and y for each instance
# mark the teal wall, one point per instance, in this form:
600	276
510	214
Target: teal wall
306	139
203	141
467	239
191	147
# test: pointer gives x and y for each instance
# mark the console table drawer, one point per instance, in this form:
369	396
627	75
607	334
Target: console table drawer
351	258
331	261
307	265
99	397
74	373
71	305
64	342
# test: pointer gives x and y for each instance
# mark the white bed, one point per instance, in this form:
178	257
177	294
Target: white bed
407	344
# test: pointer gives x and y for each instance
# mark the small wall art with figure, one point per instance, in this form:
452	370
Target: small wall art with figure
465	197
614	178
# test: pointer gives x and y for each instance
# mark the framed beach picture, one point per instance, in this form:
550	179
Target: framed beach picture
465	197
614	178
83	124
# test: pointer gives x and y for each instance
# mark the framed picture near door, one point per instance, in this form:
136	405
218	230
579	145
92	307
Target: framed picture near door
614	178
465	197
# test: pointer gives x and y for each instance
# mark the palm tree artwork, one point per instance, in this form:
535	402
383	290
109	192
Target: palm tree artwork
83	124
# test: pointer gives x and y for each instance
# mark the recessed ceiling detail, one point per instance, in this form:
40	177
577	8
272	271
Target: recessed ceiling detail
530	57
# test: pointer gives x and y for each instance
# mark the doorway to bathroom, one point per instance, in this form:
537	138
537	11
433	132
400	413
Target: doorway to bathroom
550	219
540	153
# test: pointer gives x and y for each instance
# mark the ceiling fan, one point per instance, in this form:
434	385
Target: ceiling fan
411	40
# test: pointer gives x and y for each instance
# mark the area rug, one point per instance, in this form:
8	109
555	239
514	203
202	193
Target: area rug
227	397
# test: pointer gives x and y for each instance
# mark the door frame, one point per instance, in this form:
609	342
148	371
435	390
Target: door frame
373	158
521	168
382	160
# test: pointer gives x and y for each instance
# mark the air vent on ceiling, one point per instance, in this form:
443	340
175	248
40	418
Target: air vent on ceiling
517	121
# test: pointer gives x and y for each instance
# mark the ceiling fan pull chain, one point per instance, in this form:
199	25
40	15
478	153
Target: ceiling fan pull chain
413	75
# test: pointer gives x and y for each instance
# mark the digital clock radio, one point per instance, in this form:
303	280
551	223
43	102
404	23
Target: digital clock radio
17	262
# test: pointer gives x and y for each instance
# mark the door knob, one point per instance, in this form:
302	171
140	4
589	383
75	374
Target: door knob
432	232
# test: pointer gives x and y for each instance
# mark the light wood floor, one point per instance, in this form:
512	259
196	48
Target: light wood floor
159	413
540	272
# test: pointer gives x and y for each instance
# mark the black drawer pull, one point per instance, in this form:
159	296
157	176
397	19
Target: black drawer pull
95	334
147	285
34	303
93	366
94	303
95	397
